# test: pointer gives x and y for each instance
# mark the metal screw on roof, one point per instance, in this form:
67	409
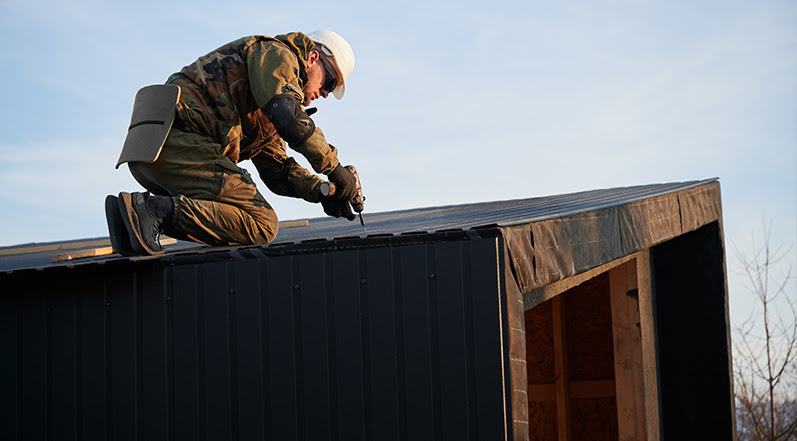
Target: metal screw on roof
107	303
432	276
296	286
232	291
363	281
168	299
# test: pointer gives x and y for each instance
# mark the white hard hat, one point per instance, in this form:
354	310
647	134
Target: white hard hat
340	52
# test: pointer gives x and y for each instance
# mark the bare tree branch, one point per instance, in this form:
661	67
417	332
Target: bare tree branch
765	370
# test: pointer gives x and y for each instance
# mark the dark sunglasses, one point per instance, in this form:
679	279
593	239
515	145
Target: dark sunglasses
332	82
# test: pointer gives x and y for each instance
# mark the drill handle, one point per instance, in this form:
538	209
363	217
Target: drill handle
327	189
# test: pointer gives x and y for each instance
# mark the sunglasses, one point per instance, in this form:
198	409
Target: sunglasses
332	82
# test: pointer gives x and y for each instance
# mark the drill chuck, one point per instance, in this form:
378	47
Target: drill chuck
358	203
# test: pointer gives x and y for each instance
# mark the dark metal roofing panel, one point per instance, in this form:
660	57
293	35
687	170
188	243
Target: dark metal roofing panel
459	217
420	220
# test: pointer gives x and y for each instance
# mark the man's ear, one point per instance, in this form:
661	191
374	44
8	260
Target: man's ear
313	56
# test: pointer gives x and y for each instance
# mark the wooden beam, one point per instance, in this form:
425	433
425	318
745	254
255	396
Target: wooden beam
561	367
627	352
101	244
294	223
648	341
95	252
81	254
547	292
593	389
53	247
578	390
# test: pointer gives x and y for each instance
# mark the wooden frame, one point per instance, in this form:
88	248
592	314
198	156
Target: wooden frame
635	384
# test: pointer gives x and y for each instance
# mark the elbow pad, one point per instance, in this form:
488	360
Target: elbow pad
293	124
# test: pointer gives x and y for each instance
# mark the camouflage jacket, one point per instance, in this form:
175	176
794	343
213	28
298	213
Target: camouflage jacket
223	92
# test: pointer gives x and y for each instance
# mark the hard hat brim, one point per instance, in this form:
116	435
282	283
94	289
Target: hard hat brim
339	91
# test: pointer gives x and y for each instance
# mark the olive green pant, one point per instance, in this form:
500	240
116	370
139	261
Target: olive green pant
215	201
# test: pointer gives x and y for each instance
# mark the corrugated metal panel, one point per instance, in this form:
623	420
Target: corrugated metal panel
401	341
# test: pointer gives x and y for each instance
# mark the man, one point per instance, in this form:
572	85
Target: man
241	101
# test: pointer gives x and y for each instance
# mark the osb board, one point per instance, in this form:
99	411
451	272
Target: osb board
542	421
590	357
590	347
589	333
539	344
540	370
594	419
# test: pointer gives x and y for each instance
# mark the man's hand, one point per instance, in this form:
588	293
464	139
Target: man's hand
345	184
337	208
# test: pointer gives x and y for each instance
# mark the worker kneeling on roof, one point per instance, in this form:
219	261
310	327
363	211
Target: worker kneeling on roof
244	100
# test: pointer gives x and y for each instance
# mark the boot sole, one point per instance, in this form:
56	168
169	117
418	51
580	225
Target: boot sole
130	218
120	240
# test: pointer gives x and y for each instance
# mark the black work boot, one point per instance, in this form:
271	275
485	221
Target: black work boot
120	239
143	227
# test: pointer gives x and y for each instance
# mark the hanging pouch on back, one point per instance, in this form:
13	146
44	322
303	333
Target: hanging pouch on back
153	114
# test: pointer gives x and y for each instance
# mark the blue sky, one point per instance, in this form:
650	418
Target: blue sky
450	101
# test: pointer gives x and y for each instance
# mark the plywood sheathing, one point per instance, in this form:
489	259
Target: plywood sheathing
571	365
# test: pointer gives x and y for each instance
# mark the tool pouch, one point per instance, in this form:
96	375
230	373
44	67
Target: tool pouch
153	114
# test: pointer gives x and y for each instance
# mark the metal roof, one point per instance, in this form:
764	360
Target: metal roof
379	225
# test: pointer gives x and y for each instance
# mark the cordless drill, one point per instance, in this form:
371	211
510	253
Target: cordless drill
357	203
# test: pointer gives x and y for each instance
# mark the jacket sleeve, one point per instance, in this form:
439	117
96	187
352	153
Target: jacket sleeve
283	176
273	69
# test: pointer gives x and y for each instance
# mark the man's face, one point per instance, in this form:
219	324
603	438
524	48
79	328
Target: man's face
317	79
